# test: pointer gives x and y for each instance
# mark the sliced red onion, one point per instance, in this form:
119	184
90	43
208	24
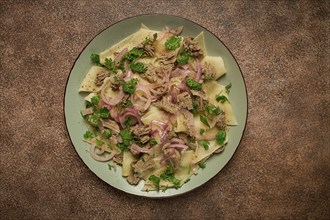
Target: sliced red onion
135	147
96	156
154	133
111	101
119	56
177	141
128	71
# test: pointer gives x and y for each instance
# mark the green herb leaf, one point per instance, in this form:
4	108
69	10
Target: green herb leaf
184	58
94	120
192	84
110	166
129	87
221	137
202	165
172	43
107	133
109	64
221	98
125	103
138	67
103	112
150	42
128	122
95	58
152	142
201	131
155	180
95	100
204	120
168	175
205	144
211	109
134	54
195	106
99	142
228	87
127	137
89	134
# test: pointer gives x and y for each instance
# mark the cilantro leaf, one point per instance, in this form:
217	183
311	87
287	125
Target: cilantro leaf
172	43
152	142
134	54
202	165
127	137
184	58
201	131
192	84
109	64
221	98
228	87
205	144
95	58
95	100
155	180
89	134
195	106
150	42
168	175
129	87
210	109
107	133
94	120
220	137
138	67
99	142
103	112
204	120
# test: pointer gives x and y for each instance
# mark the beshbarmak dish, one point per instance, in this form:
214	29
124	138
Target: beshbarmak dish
154	107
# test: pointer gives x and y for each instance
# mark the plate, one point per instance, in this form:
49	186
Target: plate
74	103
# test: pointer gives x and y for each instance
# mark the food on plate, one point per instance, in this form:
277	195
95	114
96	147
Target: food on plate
154	107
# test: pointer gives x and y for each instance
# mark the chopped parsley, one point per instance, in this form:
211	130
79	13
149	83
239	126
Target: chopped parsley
155	180
221	137
152	142
192	84
109	64
94	120
125	103
95	58
99	142
210	109
150	42
202	165
110	166
221	98
134	54
184	58
201	131
103	112
204	120
195	106
129	87
128	122
95	100
138	67
228	87
107	133
205	144
127	137
172	43
90	134
168	175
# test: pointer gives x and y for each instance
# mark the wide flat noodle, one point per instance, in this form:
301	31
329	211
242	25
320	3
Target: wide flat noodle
180	124
88	83
213	88
201	42
128	158
153	113
217	63
201	153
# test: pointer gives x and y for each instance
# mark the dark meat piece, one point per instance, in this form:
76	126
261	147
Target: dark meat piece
133	179
118	159
100	76
173	156
208	72
142	165
144	139
167	59
139	130
184	101
221	122
166	104
190	45
150	74
149	51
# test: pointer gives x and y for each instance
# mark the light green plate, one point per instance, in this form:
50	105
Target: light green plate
74	102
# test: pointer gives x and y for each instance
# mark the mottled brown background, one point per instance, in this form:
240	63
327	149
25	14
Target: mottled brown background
281	168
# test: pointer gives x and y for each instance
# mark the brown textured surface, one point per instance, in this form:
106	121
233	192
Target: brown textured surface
281	169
